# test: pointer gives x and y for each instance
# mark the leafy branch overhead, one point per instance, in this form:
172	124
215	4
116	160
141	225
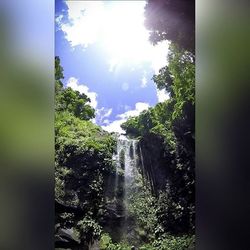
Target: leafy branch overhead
172	20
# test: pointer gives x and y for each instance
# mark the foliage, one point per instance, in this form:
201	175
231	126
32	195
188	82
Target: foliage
67	99
166	242
166	134
58	69
105	240
72	101
89	229
83	160
107	244
156	121
142	124
143	209
171	20
178	78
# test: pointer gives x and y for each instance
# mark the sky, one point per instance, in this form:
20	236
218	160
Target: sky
105	53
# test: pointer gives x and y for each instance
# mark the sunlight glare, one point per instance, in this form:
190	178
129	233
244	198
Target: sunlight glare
124	36
118	28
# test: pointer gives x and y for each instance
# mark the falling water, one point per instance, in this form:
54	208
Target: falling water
126	162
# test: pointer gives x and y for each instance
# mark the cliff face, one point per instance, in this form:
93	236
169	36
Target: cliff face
155	162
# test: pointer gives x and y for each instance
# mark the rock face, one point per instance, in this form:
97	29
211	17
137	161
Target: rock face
94	246
154	161
65	238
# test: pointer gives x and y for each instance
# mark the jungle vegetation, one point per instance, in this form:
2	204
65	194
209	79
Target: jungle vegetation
164	204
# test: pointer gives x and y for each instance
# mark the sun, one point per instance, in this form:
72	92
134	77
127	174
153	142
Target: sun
124	35
117	27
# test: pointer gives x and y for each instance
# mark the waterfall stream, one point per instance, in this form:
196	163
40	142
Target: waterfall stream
128	191
126	166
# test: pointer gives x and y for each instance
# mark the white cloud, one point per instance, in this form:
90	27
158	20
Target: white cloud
144	82
139	107
123	39
58	19
115	126
83	89
106	121
101	114
108	112
162	95
85	22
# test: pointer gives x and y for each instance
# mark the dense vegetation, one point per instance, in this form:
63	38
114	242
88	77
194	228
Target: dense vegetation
166	136
166	132
89	207
83	161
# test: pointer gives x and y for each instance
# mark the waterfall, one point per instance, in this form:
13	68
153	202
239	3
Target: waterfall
126	172
131	187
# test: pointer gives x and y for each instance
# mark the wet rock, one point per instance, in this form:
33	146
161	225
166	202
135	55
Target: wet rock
65	238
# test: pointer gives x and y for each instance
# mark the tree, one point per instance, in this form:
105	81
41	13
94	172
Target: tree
67	99
172	20
58	69
178	78
83	163
166	134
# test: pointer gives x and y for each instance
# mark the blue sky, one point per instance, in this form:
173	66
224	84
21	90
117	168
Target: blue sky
105	53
